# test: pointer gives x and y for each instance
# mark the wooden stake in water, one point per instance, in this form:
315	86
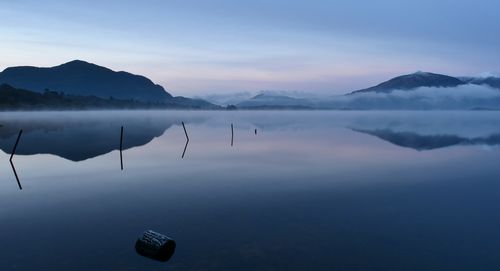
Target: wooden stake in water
232	134
187	140
12	156
185	148
255	131
121	148
185	132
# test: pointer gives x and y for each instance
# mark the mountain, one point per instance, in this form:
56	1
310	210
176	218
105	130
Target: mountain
227	98
86	79
413	81
417	91
82	79
270	101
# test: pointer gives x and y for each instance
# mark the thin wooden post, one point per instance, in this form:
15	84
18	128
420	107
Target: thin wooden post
187	140
232	134
185	148
121	148
12	156
185	132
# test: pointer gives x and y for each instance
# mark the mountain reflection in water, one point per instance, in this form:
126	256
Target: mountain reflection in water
429	142
82	136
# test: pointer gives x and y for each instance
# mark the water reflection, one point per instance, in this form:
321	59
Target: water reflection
307	185
232	134
187	140
121	148
79	136
429	142
12	156
185	148
82	136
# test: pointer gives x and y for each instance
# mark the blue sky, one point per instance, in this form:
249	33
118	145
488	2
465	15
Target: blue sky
222	46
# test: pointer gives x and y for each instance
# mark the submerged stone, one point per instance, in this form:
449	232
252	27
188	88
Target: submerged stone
155	246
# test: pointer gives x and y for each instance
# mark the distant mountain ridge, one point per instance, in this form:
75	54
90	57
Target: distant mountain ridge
413	81
82	78
266	101
416	91
428	79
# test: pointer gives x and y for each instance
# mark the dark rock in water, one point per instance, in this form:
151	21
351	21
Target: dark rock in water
155	246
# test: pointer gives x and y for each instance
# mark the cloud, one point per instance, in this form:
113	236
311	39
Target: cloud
458	93
488	75
424	98
461	97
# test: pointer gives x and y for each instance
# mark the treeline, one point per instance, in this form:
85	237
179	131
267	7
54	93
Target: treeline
12	98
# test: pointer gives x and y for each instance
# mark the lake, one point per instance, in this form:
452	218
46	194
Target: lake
309	190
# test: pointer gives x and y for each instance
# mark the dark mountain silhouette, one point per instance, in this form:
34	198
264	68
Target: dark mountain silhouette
428	142
80	78
85	79
413	81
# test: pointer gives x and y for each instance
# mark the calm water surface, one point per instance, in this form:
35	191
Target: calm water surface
314	190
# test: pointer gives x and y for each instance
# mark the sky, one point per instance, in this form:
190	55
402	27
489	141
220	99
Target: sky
225	46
